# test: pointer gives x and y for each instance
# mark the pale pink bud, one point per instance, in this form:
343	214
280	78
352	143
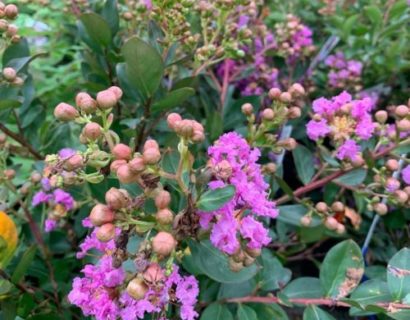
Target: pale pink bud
125	175
268	114
297	90
274	93
11	11
331	223
154	273
401	111
85	102
163	243
137	164
321	207
117	198
106	99
116	164
172	119
401	196
137	288
198	136
247	109
294	113
117	91
306	220
381	208
151	156
164	216
106	232
11	30
392	164
65	112
338	206
150	143
74	162
285	97
9	74
101	214
403	125
92	131
162	199
381	116
340	229
122	151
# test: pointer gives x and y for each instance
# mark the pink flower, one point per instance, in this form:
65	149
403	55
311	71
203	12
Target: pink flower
317	129
406	175
50	225
348	150
255	232
223	235
63	198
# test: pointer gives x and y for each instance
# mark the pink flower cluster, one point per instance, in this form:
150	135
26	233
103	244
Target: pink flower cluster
344	73
235	163
345	121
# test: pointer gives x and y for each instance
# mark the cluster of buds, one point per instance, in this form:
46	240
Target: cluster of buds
243	258
10	77
10	31
344	74
190	130
286	105
329	8
294	39
86	105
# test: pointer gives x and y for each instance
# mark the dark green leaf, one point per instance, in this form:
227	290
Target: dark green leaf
214	199
9	104
398	274
313	312
97	28
246	313
216	311
24	264
110	14
353	178
304	162
291	214
269	311
273	274
173	99
305	287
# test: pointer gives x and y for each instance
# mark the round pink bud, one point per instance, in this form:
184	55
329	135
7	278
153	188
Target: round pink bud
185	128
9	174
137	165
163	243
11	11
106	99
85	102
338	206
274	93
92	131
198	136
11	30
403	125
74	162
173	119
164	216
3	25
154	273
294	113
285	97
125	175
122	152
392	164
116	164
223	170
297	90
117	91
331	223
137	288
106	232
254	252
401	196
162	199
9	74
150	143
65	112
381	116
381	208
401	111
340	229
36	177
306	220
268	114
321	207
247	109
117	198
101	214
151	156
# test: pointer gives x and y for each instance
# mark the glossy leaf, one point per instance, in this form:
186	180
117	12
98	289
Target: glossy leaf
313	312
97	28
173	99
216	311
273	274
305	287
246	313
398	274
304	162
24	264
214	199
353	178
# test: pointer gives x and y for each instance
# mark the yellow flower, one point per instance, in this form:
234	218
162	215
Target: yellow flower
8	238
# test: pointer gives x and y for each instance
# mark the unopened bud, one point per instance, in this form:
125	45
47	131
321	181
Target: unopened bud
306	220
92	131
268	114
106	232
297	90
9	174
162	199
403	125
401	111
163	243
11	30
173	119
11	11
117	198
254	253
321	207
154	273
338	206
392	164
116	164
122	152
294	113
85	102
401	196
137	288
223	170
392	184
137	164
125	175
274	93
150	143
381	116
235	266
65	112
9	74
380	208
151	156
285	97
248	261
288	144
331	223
340	229
36	177
117	91
101	214
164	216
247	109
106	99
74	162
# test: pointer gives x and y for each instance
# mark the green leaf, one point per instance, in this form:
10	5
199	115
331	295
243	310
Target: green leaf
313	312
216	311
348	25
269	311
398	274
400	315
284	186
144	66
214	264
304	162
5	286
369	292
374	14
305	287
342	269
236	290
173	99
273	274
24	264
212	200
9	309
97	28
110	14
353	178
291	214
246	313
9	104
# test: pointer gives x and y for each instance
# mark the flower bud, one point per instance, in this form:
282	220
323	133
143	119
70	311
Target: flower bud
116	164
407	190
268	114
235	266
74	162
36	177
331	223
3	25
137	288
106	99
11	30
381	116
392	184
122	152
358	161
254	253
338	206
85	102
137	164
223	170
403	125
198	136
164	216
401	111
274	93
92	131
392	164
125	175
285	97
151	156
288	144
248	261
270	167
127	16
9	174
154	273
150	143
340	229
381	208
106	232
247	109
321	207
117	198
65	112
101	214
297	90
163	243
162	199
9	74
173	119
401	196
11	11
306	220
294	113
117	91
